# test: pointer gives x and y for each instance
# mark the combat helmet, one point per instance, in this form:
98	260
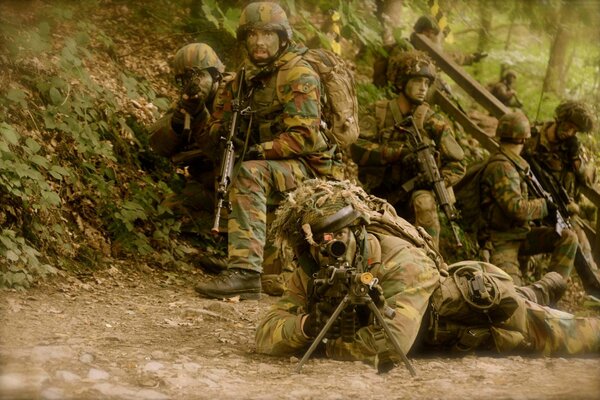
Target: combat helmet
264	15
513	125
509	72
409	64
577	113
426	22
197	56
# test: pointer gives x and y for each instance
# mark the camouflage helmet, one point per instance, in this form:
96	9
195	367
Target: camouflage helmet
577	113
409	64
196	56
426	22
513	125
509	72
264	15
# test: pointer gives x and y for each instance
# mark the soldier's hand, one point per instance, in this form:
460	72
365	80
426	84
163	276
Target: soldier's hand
478	56
573	208
254	153
421	182
552	210
316	320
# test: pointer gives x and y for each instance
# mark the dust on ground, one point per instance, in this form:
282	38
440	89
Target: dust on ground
138	333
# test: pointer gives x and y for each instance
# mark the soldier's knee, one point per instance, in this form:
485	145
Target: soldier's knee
569	237
425	209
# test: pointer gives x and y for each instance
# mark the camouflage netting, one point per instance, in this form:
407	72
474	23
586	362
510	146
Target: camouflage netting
314	200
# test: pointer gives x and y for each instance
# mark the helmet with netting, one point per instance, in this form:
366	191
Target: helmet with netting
264	15
196	56
426	22
409	64
316	207
513	125
577	113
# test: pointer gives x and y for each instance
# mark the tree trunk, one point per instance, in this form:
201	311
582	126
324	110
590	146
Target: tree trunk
485	20
389	13
555	79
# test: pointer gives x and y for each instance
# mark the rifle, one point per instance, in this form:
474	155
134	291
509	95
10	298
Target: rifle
350	286
224	177
428	167
544	185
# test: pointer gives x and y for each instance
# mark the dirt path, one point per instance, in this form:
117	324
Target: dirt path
146	335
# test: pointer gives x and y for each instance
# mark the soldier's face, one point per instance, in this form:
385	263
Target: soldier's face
344	235
262	45
566	129
416	89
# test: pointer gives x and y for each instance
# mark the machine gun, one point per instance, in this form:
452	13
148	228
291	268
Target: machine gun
544	185
350	286
428	168
224	178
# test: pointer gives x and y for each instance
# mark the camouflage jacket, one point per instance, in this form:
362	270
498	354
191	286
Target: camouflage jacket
506	207
380	150
187	148
408	278
285	117
560	157
504	93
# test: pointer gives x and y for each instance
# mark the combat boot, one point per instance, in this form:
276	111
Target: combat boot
232	282
274	284
547	291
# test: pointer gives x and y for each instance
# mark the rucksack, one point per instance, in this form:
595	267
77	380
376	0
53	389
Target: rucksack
468	197
339	106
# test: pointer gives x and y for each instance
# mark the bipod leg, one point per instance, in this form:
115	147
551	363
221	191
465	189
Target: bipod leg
323	332
390	336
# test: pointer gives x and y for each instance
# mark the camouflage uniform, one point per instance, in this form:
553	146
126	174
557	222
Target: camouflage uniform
409	273
508	214
565	160
286	144
504	92
383	154
187	148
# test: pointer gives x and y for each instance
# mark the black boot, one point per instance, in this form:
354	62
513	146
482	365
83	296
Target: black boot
232	282
547	291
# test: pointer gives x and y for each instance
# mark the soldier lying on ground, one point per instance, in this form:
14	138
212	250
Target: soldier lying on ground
407	275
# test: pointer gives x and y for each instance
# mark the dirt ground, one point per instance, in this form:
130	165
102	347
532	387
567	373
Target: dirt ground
138	333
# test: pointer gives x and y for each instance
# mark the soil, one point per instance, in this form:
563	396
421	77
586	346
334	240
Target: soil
137	333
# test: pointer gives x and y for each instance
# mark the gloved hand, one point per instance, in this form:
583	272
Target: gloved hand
254	152
316	320
573	208
421	182
552	209
410	164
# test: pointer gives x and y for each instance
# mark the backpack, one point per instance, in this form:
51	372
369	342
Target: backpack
339	103
468	197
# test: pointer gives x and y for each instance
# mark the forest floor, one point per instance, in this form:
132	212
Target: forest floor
137	333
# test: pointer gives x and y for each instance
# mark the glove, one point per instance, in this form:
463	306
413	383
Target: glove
316	320
573	208
421	182
410	164
254	152
552	209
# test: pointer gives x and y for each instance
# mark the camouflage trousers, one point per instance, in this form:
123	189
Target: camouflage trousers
424	207
257	185
545	330
505	253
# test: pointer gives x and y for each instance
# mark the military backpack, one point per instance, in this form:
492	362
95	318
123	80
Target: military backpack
339	103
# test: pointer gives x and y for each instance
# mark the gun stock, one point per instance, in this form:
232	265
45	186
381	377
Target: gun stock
223	179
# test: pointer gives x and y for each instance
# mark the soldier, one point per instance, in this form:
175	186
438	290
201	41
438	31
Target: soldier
425	25
406	274
508	212
384	154
504	90
181	133
556	146
286	144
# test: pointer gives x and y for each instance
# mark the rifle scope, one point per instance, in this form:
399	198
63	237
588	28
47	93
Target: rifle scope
334	249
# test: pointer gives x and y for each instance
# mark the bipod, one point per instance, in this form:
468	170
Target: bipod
358	299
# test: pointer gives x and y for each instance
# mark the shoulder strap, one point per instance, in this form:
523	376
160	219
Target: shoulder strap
396	113
419	115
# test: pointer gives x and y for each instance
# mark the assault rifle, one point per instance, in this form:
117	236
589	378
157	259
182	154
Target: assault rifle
428	168
350	285
544	185
224	177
